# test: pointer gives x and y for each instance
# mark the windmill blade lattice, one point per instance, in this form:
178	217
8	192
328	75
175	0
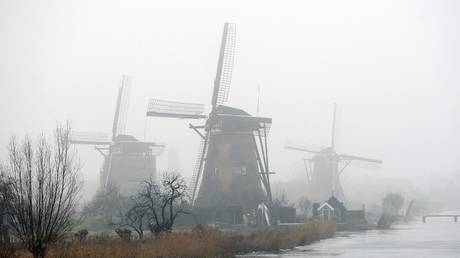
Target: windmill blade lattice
225	65
121	110
91	138
199	165
175	109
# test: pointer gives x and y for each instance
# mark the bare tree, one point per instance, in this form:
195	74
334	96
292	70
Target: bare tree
44	190
135	216
5	188
163	202
282	200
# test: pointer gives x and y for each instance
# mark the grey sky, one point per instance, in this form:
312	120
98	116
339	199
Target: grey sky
393	66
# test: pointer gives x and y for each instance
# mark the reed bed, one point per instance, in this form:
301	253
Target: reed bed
200	242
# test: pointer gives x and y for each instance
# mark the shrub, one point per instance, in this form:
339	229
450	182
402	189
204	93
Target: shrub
123	233
81	235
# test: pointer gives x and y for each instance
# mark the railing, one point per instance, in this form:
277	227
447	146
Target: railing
440	216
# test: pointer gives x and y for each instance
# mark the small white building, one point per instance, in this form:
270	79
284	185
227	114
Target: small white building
326	212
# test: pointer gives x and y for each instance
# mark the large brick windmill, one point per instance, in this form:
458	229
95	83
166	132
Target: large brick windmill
127	161
325	167
232	172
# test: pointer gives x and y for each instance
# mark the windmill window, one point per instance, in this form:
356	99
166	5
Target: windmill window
244	170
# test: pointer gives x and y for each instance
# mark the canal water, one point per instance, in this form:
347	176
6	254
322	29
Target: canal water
438	237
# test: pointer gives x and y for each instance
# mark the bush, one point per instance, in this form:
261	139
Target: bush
123	233
81	235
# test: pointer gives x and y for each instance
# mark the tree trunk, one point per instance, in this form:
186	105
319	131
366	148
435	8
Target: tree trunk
39	252
141	235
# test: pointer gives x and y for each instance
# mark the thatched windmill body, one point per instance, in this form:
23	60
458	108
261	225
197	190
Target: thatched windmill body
232	167
325	167
127	161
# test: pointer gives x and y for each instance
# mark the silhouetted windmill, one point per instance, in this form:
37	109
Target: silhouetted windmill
232	167
323	169
127	161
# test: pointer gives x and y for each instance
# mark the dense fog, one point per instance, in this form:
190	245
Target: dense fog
392	67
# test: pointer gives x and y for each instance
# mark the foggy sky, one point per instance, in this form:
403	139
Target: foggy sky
393	66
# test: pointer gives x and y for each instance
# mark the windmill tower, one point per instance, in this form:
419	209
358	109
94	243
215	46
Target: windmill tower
232	167
127	161
325	167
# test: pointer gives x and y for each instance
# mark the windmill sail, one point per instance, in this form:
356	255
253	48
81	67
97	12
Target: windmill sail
304	148
121	108
199	164
175	109
91	138
333	126
224	66
353	157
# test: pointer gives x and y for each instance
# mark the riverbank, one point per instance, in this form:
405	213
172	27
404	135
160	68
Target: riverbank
436	238
199	242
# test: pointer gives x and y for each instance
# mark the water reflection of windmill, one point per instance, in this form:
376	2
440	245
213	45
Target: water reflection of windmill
325	167
127	161
232	162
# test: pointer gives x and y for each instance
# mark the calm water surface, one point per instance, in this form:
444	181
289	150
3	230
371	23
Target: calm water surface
439	237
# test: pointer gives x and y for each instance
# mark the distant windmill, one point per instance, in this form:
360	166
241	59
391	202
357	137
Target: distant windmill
323	169
127	161
232	167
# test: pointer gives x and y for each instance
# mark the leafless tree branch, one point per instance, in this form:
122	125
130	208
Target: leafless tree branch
160	203
44	190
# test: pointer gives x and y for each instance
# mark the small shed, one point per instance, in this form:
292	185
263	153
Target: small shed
326	212
340	211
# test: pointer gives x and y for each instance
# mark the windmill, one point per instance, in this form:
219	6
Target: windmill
325	167
127	161
232	167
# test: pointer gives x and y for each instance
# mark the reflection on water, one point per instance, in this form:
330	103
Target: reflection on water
439	237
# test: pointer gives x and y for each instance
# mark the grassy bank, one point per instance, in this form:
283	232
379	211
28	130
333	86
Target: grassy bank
199	242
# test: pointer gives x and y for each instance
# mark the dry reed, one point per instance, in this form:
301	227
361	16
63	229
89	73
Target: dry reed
200	242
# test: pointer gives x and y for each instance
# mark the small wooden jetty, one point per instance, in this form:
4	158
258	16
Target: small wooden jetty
440	216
